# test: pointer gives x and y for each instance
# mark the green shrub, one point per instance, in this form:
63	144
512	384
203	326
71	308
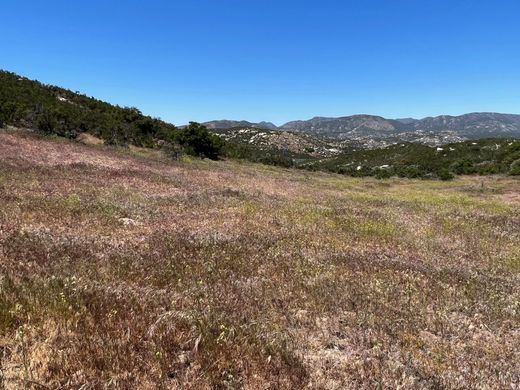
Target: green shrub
515	168
198	141
445	174
47	123
383	173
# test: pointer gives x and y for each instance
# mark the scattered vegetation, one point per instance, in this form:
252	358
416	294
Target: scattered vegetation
244	151
120	271
480	157
57	111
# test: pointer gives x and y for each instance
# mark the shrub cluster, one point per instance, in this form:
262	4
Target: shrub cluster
481	157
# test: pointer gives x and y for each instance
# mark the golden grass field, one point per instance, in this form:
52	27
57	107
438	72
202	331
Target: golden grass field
120	269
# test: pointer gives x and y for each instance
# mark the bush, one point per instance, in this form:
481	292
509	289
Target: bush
463	167
383	173
445	174
409	171
515	168
47	123
198	141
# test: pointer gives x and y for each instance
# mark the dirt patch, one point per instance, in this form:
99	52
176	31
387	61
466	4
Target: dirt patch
511	197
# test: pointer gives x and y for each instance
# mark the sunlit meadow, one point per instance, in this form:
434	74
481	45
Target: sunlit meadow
122	269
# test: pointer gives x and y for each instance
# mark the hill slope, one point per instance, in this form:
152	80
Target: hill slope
129	272
54	110
51	109
483	157
294	143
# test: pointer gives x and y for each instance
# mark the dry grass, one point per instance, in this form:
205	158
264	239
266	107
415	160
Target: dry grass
124	271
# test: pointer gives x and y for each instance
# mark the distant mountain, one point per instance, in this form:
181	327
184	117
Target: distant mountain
474	125
439	129
407	121
229	124
344	127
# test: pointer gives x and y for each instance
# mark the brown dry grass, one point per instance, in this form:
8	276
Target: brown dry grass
125	271
89	139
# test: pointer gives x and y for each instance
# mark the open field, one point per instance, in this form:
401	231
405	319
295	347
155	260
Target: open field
124	270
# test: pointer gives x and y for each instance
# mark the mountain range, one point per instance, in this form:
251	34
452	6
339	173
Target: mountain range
230	124
468	126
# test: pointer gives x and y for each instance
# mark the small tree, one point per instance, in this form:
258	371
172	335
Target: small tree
445	174
47	123
198	141
515	168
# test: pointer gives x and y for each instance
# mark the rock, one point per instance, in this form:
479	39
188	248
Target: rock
128	222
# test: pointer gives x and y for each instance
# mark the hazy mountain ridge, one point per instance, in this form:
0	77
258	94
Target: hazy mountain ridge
359	127
473	125
229	124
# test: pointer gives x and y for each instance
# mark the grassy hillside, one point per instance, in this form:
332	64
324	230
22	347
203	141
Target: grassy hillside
120	271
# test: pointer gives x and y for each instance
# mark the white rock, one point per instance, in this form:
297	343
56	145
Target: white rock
128	221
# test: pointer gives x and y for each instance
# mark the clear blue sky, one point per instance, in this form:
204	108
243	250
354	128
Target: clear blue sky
274	60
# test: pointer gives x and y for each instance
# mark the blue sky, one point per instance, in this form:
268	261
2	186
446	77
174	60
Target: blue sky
274	60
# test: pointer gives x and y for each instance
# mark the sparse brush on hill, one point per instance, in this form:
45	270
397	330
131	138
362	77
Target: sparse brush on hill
58	111
244	151
481	157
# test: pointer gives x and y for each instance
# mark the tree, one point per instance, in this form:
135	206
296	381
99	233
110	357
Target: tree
47	122
515	168
198	141
445	174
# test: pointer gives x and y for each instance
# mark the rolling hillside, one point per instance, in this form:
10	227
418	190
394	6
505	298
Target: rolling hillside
125	271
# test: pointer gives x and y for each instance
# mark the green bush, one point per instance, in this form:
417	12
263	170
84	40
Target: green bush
198	141
47	123
445	174
383	173
515	168
463	166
